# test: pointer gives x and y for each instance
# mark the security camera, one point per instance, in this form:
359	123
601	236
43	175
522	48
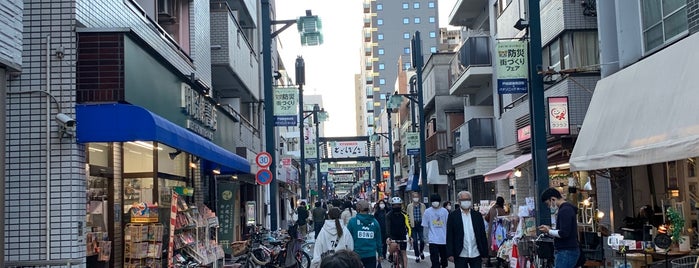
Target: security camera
65	120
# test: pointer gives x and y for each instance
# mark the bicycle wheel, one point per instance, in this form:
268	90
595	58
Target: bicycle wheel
303	260
308	247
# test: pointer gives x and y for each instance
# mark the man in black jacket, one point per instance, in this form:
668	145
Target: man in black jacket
564	229
302	221
466	240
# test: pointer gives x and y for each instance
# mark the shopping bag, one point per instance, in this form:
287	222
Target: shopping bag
514	257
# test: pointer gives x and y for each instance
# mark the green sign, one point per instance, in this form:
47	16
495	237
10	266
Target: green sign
324	167
412	143
311	153
385	163
285	106
226	218
512	71
185	191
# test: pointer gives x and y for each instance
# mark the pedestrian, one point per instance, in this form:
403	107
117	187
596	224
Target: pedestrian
415	211
342	259
435	220
302	221
347	212
498	209
398	227
366	234
447	205
380	213
318	216
563	229
333	237
466	240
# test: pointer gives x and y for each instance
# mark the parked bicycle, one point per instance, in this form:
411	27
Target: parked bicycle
265	251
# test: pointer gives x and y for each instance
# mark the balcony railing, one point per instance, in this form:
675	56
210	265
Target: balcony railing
437	143
477	132
475	51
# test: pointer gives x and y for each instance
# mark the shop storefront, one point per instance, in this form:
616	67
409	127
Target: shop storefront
640	138
154	146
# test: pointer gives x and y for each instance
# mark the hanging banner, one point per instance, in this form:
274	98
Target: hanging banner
324	168
512	71
558	116
385	163
341	149
309	135
286	107
225	204
311	153
412	143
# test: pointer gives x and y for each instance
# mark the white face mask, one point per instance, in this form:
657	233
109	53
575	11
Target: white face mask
382	206
466	204
435	204
448	207
416	199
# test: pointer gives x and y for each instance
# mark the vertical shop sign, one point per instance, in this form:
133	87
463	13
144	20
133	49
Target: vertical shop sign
558	116
285	107
385	163
324	167
412	143
512	67
226	203
201	112
173	219
311	153
251	213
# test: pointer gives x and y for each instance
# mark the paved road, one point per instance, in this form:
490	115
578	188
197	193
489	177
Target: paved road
412	264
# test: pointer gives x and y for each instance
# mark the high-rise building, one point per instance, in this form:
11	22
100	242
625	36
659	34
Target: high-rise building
389	26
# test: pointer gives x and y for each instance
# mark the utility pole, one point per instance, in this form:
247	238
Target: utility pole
269	111
537	111
390	145
418	64
316	110
300	81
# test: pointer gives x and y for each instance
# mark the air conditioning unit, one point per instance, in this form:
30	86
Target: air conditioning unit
167	10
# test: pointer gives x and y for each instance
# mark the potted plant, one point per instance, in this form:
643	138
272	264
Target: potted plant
676	226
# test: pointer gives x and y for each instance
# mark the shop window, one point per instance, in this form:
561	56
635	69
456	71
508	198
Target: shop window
137	190
138	156
171	161
662	22
98	154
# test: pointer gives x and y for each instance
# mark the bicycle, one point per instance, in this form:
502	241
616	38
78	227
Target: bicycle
543	251
269	252
395	256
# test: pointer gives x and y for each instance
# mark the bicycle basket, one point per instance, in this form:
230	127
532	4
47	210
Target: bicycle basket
686	261
239	248
525	247
544	249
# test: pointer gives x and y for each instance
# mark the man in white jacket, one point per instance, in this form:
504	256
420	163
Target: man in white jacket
333	237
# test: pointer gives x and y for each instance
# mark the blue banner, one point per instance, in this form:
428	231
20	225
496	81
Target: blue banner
286	121
511	86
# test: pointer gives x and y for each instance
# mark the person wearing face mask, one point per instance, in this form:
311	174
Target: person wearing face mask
565	237
466	240
447	205
435	220
380	215
415	211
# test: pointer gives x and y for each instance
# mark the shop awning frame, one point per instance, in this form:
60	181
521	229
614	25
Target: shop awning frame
643	114
123	122
504	171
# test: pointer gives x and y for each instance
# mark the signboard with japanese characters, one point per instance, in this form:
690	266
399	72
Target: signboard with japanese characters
558	116
324	167
524	133
340	149
311	153
385	163
412	143
226	204
339	167
286	106
201	112
512	71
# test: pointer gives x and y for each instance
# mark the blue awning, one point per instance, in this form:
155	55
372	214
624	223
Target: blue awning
123	122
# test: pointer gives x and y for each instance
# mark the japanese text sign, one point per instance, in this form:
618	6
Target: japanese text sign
341	149
512	71
311	153
385	163
412	143
285	106
226	205
524	133
558	116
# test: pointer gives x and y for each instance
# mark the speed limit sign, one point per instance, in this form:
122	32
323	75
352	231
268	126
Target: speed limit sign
263	159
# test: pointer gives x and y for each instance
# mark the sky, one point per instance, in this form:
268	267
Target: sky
330	68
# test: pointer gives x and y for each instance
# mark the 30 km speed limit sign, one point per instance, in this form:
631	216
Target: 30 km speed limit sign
263	159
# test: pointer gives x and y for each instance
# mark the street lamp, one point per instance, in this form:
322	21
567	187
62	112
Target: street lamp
267	79
376	137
